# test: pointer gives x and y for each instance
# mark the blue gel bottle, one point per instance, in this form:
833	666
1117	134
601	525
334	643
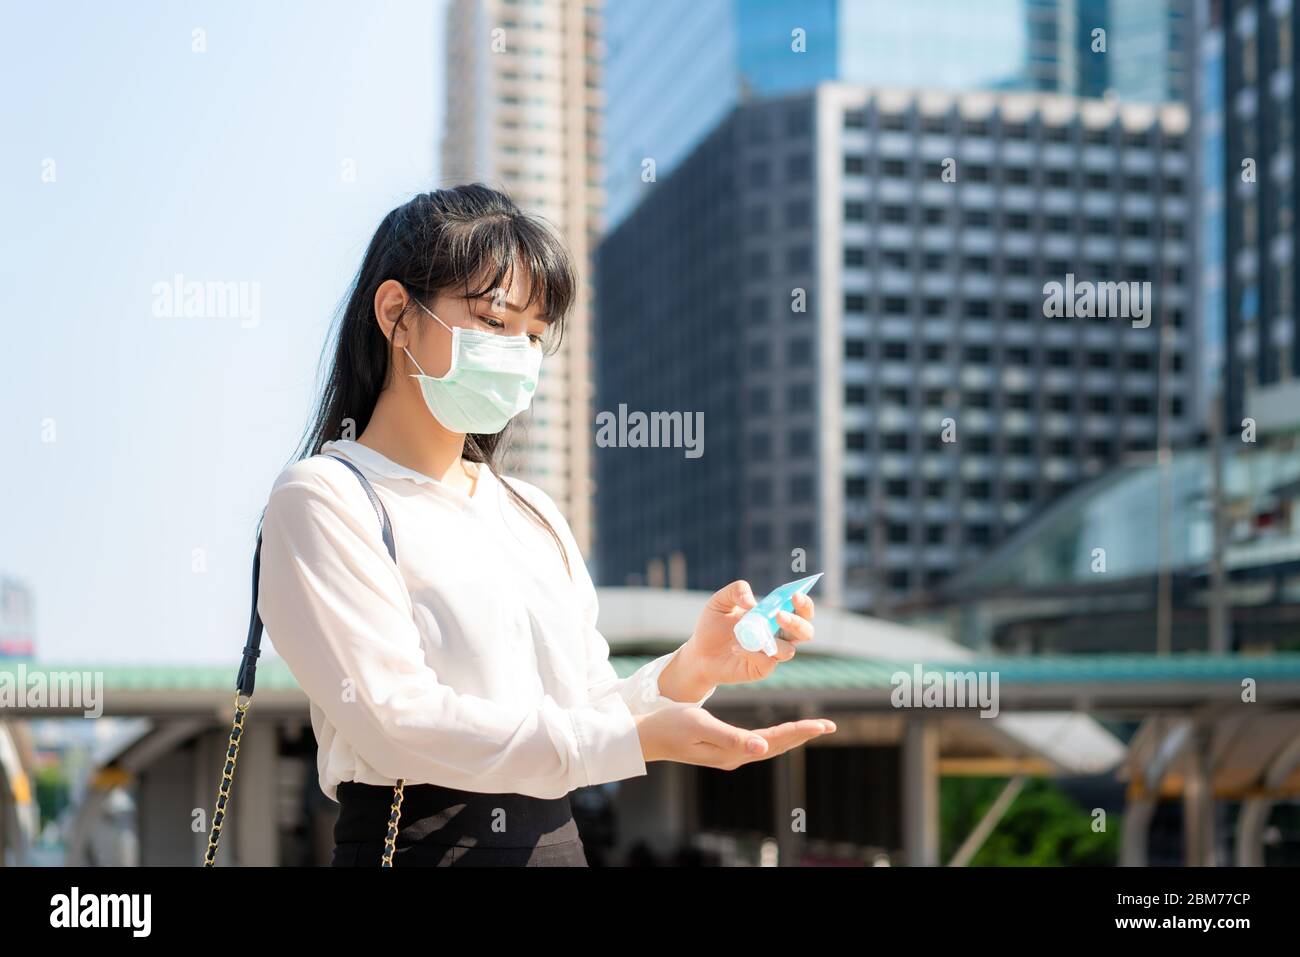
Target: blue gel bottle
757	630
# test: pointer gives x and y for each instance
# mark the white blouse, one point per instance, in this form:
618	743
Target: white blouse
473	663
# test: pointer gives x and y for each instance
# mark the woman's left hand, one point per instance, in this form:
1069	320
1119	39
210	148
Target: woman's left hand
715	655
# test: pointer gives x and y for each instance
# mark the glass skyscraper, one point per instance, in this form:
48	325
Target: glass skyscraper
673	69
1260	172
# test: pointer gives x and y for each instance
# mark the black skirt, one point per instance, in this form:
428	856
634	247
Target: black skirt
447	827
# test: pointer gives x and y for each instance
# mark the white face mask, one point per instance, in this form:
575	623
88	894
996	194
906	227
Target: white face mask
491	380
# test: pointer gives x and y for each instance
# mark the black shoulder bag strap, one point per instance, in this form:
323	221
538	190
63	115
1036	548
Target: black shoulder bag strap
248	677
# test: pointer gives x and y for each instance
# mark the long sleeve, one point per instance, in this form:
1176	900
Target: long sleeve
639	690
338	613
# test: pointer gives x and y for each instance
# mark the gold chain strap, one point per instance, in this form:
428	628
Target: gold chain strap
227	779
394	816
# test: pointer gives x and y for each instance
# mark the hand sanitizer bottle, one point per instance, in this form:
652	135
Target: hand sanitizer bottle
757	630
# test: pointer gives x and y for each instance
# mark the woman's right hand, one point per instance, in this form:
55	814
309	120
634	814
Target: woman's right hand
693	736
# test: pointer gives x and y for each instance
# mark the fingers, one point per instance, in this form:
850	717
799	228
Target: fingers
718	733
803	606
726	746
793	628
784	651
783	737
738	593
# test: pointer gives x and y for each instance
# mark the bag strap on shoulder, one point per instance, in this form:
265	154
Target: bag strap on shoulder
247	679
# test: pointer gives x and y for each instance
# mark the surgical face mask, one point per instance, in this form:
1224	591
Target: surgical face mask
491	380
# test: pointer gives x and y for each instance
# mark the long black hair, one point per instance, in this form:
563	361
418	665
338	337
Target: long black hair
466	239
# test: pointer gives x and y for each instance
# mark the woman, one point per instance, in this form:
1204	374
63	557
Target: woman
470	667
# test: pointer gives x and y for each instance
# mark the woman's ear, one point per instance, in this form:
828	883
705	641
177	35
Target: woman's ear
391	300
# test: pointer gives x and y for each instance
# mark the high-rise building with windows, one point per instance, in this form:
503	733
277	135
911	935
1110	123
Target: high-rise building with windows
850	287
1260	173
1209	122
523	114
1138	50
675	68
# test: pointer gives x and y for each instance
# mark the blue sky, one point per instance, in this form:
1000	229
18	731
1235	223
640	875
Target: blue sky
134	525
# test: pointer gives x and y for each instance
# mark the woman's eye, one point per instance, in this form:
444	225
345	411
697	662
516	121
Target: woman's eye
494	323
534	337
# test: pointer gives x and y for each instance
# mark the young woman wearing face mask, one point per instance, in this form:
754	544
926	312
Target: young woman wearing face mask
470	669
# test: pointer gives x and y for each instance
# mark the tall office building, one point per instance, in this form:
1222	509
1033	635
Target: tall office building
851	288
523	114
675	68
1209	124
1260	173
1138	50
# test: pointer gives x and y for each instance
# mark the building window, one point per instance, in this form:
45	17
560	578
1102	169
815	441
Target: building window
895	306
798	259
1020	445
801	489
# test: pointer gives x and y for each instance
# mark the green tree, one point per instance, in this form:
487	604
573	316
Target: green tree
1042	828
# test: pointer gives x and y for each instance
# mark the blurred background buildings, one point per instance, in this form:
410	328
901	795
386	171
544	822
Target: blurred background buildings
829	228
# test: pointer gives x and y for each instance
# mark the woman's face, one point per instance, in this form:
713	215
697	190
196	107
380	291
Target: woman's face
500	312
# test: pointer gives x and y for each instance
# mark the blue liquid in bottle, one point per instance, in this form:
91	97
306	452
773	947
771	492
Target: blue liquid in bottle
757	630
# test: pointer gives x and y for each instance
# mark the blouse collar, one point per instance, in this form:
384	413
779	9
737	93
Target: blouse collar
385	467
